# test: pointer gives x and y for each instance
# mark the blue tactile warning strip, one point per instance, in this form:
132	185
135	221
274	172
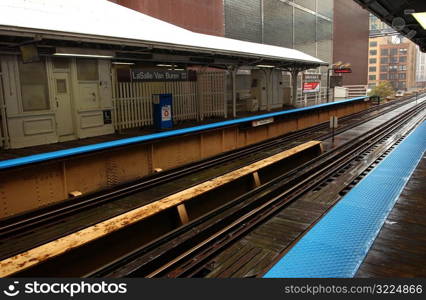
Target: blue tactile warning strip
338	243
26	160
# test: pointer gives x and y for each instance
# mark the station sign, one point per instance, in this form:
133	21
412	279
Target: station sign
311	83
159	75
262	122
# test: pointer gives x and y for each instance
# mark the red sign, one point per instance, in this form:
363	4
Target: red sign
347	70
311	87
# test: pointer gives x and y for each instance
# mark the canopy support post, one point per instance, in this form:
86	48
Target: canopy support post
234	91
294	74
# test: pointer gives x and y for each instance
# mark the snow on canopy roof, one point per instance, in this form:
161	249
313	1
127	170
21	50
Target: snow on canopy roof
101	18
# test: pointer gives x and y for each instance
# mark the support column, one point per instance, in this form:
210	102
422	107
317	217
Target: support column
234	92
269	88
225	94
294	73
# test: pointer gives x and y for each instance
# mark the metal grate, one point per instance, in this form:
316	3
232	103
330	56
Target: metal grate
337	245
278	23
243	20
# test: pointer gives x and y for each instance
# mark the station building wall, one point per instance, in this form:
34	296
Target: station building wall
56	99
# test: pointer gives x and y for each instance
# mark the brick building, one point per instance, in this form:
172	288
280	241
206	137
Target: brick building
203	16
394	60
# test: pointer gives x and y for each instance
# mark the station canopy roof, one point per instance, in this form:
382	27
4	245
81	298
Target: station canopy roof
408	17
102	22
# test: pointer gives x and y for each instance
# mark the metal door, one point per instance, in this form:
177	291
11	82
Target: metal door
64	115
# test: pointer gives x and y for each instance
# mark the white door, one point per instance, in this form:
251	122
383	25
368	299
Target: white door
276	84
64	112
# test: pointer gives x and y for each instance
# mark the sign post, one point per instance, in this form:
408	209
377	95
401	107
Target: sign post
338	68
333	126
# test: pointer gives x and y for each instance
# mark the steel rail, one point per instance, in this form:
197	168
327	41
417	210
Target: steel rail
42	216
324	166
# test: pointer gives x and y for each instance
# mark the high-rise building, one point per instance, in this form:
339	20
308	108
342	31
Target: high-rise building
393	59
421	69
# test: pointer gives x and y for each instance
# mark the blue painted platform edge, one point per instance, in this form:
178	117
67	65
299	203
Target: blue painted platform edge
26	160
337	245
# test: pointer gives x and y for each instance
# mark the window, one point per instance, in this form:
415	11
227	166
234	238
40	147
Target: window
384	68
385	52
403	68
393	51
87	70
60	62
373	60
393	60
61	86
383	76
371	77
393	68
373	44
372	69
402	58
393	76
34	89
403	51
402	76
373	52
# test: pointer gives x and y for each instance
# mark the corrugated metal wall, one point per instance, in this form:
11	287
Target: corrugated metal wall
278	23
305	25
243	20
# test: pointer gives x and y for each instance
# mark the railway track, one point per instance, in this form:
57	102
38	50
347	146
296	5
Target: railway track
20	223
187	251
18	227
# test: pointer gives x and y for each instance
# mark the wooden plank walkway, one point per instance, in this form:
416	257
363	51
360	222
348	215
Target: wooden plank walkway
66	243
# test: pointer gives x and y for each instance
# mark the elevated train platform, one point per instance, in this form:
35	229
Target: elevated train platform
51	172
399	248
258	248
376	230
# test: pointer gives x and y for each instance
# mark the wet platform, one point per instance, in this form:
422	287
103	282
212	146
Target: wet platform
338	244
400	247
357	131
255	253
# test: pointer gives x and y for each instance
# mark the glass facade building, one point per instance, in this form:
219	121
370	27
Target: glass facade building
305	25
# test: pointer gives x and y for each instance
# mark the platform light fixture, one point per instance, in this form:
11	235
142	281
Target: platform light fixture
122	63
83	55
421	18
265	66
164	65
79	52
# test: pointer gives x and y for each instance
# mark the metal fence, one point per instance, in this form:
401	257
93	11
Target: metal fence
192	100
313	98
